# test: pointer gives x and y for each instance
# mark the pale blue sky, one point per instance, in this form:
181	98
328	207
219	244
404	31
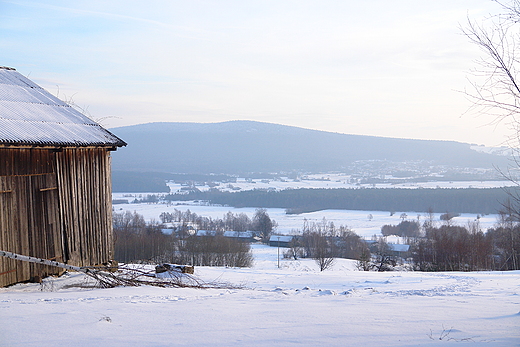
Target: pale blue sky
378	67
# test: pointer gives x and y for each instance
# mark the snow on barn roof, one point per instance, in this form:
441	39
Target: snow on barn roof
31	116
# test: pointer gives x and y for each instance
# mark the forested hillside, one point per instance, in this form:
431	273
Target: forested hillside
241	147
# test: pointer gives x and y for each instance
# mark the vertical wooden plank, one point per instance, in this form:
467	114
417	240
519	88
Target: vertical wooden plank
84	200
6	265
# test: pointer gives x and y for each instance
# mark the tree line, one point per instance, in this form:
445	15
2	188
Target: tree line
449	247
468	200
434	245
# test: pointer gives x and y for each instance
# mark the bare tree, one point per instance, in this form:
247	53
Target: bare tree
364	262
263	224
384	261
496	82
322	248
430	219
497	92
296	249
496	88
319	243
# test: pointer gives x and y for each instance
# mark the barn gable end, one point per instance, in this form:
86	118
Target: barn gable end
55	185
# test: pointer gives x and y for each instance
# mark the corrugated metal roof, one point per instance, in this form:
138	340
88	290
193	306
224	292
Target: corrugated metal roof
29	115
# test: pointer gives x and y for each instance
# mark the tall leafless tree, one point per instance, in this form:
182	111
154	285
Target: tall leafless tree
496	84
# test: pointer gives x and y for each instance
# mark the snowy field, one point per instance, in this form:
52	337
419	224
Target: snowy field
294	305
339	181
359	221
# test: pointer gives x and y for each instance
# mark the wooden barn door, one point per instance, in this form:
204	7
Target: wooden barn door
44	228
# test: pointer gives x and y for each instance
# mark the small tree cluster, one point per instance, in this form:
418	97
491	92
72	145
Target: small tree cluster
453	248
319	247
383	259
448	216
295	249
263	224
260	223
136	240
405	228
506	242
324	242
213	250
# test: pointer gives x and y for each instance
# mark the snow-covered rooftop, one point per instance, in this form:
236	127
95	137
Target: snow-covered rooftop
227	233
399	248
281	238
29	115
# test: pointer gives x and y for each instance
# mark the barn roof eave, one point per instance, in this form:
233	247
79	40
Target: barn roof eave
109	147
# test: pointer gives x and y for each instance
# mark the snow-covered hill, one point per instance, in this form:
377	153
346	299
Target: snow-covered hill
236	147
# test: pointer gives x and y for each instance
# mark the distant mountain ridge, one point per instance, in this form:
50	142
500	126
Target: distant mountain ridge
237	147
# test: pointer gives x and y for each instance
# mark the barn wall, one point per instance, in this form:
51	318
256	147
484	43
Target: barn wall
54	205
29	213
86	205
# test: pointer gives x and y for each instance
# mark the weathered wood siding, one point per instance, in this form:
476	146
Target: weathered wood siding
29	212
54	205
86	205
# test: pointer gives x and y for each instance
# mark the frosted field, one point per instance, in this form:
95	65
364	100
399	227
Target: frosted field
294	305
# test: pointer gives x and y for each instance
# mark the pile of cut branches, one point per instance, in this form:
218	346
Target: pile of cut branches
125	275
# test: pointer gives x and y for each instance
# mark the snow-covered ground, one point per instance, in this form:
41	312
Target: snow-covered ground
294	305
291	305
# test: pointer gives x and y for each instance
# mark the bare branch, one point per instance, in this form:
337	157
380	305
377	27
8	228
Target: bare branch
498	91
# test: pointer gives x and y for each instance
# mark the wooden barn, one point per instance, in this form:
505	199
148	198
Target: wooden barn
55	182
